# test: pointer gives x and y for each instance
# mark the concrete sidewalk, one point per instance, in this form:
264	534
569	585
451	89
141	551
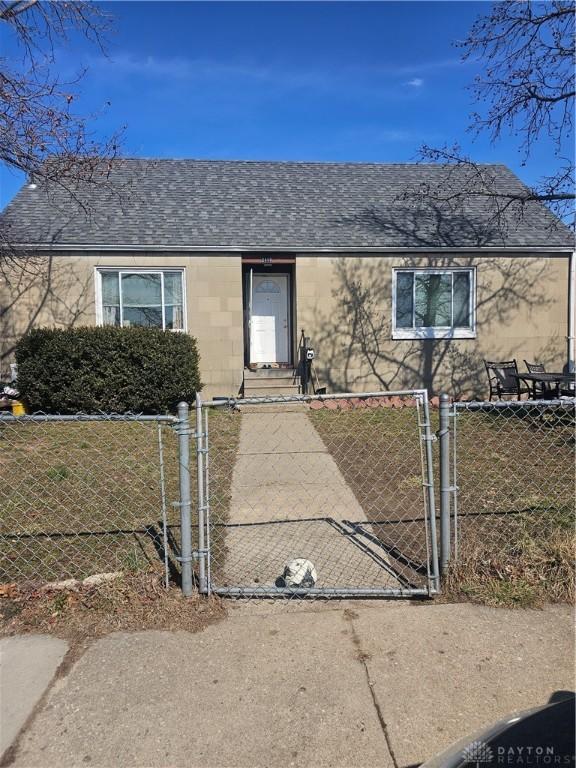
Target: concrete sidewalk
27	666
348	684
288	500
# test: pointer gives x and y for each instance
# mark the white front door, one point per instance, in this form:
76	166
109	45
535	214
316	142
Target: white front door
269	331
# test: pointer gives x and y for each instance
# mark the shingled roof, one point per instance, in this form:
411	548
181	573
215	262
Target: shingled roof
292	206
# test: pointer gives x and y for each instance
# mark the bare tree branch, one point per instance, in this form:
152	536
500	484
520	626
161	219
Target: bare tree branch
527	89
40	132
43	135
13	9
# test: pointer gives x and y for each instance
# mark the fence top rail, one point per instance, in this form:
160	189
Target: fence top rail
421	394
490	405
43	417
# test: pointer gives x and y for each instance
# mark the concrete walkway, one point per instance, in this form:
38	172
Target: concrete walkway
289	500
340	685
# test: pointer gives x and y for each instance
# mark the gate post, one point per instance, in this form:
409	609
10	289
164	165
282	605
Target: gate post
185	500
445	489
428	437
200	463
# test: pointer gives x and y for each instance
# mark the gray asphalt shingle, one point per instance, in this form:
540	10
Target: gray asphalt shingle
277	205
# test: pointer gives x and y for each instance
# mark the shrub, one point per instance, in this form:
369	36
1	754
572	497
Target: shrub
142	370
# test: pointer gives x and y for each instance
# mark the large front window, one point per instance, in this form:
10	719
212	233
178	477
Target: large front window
433	303
149	298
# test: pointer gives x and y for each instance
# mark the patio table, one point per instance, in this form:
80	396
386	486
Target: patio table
553	380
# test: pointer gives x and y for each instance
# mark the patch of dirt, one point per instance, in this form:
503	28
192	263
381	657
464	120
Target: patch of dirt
134	602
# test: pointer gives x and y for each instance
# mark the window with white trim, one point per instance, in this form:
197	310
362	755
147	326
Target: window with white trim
142	297
433	303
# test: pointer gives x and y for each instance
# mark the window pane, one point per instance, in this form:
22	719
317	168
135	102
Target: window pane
173	287
267	286
433	300
462	300
404	303
110	288
111	315
174	318
142	289
150	317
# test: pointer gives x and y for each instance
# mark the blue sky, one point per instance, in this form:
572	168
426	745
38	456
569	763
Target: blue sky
284	81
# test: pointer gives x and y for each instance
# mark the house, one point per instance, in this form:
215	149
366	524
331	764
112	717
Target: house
395	285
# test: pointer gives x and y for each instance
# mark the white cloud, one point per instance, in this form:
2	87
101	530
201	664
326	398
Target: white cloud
174	69
189	69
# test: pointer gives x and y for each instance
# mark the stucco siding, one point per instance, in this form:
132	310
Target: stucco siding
344	303
213	304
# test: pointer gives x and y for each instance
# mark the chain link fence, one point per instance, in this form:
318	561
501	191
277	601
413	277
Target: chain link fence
327	495
513	514
82	495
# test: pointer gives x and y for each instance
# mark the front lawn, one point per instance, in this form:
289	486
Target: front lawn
78	498
516	506
516	498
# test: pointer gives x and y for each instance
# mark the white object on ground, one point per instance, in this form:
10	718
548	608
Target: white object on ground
299	573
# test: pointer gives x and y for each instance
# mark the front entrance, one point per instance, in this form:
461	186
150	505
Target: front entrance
269	318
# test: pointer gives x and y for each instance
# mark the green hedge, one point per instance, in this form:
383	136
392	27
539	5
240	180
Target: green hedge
142	370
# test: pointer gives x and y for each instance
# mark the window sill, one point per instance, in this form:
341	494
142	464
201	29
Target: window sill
413	334
101	324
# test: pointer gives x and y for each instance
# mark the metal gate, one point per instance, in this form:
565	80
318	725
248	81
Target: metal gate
304	496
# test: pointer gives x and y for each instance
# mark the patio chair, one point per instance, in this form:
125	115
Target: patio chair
540	388
502	380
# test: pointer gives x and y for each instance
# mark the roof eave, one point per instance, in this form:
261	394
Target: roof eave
160	247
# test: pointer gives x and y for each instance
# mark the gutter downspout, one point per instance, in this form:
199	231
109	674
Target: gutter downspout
571	311
251	292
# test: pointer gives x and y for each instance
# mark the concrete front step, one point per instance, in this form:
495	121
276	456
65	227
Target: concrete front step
268	373
271	382
270	391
